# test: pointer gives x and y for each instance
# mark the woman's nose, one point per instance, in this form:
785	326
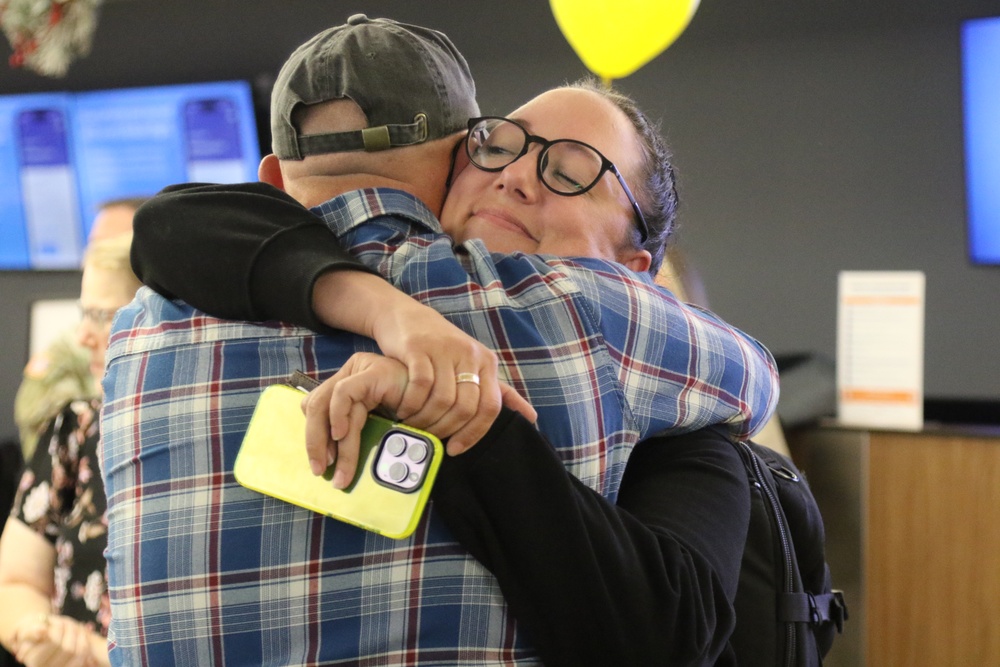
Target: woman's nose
85	333
520	177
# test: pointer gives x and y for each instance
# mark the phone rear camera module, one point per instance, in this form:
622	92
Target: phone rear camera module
402	461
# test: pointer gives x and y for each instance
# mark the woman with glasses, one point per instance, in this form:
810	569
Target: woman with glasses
56	608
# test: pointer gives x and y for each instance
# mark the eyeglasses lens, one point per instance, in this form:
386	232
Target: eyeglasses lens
568	167
493	144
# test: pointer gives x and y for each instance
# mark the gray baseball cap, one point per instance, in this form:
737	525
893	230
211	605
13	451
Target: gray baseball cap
411	83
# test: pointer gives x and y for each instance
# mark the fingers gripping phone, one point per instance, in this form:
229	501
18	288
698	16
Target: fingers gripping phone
397	465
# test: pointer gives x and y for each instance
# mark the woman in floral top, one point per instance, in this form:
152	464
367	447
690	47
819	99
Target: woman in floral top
53	583
61	496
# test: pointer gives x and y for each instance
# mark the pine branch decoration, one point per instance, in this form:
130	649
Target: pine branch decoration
47	35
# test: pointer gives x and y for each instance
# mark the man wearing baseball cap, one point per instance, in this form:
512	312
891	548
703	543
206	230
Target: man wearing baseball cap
394	85
203	571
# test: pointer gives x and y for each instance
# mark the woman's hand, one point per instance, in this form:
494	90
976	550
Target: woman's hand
48	640
336	411
433	351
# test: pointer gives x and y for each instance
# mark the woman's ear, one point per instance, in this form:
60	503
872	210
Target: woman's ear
636	260
269	171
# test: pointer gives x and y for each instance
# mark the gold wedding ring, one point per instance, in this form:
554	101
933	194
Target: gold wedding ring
467	377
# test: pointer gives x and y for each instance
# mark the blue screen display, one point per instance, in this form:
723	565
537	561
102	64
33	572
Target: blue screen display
64	154
981	87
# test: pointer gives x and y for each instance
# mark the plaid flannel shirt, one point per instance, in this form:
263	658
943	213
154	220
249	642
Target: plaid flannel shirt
203	571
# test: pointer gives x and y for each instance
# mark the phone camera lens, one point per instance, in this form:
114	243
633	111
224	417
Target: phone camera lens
398	471
396	444
417	452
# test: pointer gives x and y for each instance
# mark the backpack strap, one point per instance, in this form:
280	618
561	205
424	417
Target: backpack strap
813	609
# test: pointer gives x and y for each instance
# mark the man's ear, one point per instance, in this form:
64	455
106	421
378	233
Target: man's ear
269	171
636	260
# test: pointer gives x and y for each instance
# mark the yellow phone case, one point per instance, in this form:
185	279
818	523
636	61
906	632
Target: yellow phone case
272	460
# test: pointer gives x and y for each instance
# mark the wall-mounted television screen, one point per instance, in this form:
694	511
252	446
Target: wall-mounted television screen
64	154
981	92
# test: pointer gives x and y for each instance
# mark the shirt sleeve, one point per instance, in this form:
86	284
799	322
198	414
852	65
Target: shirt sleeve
678	366
61	468
647	581
245	251
33	502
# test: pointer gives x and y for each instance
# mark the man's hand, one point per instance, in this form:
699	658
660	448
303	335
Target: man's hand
336	411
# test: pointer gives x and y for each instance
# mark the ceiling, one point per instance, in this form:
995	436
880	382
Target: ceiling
147	42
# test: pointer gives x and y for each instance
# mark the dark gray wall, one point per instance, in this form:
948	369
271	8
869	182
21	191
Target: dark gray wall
812	136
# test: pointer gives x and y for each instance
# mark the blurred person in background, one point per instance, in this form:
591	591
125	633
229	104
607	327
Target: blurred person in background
53	580
60	372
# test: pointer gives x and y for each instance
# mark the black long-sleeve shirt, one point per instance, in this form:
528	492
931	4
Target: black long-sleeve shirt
646	581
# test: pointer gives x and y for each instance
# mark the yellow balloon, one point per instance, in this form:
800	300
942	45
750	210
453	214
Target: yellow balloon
614	38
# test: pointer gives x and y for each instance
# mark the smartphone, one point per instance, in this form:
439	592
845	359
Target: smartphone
397	465
213	150
48	190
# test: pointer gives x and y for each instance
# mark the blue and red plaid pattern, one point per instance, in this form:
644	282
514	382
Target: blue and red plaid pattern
202	571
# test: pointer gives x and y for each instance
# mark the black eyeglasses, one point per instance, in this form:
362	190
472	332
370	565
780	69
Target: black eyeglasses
98	317
565	166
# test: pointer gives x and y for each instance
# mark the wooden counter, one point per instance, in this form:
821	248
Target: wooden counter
913	536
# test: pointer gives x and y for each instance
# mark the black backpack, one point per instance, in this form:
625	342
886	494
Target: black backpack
787	613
